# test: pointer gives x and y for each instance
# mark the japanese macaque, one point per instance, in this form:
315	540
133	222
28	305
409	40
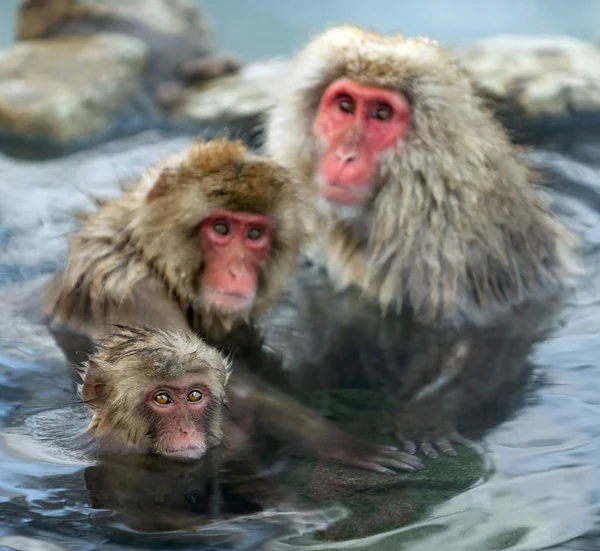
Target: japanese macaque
203	243
163	394
439	251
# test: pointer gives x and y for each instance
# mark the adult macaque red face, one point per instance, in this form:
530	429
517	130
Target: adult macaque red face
358	123
179	411
235	244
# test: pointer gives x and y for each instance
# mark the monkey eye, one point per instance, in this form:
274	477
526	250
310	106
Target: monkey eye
383	113
221	228
255	233
346	104
194	396
163	399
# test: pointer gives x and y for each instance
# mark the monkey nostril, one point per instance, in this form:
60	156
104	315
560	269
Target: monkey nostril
345	158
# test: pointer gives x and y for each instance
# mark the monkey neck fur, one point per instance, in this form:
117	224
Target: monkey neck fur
457	230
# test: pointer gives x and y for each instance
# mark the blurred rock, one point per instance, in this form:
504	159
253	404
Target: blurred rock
175	32
536	76
67	89
246	95
87	72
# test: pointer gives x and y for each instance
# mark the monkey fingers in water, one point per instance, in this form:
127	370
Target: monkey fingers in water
290	421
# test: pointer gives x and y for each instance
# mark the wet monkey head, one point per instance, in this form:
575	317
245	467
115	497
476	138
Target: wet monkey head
157	392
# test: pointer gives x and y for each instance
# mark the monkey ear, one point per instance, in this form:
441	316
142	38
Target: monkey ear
162	184
92	390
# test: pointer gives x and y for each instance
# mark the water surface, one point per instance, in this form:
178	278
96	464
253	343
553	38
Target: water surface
542	484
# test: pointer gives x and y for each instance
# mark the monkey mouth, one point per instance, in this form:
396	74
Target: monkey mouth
188	453
229	302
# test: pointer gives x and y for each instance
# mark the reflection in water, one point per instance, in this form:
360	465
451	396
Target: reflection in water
541	489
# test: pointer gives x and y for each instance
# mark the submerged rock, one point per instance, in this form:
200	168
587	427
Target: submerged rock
375	502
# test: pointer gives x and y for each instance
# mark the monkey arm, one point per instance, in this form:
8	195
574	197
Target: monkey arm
283	418
432	391
454	373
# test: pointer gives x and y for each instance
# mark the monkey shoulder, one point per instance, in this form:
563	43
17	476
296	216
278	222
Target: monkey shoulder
102	273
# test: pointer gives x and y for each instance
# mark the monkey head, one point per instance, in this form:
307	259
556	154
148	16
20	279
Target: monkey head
156	391
222	227
363	105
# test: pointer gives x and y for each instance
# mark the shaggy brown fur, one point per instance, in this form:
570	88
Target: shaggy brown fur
147	239
128	361
455	228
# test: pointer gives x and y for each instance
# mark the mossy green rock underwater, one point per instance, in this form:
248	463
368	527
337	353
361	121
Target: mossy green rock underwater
376	502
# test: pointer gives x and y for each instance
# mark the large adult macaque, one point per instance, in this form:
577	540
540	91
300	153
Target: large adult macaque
203	243
438	248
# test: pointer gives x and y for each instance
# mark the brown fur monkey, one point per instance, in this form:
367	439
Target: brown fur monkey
211	233
162	395
429	220
156	391
203	243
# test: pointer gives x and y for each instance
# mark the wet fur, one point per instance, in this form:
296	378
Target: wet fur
131	359
456	230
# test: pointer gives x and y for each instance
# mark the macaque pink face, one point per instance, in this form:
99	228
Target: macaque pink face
180	408
358	124
235	245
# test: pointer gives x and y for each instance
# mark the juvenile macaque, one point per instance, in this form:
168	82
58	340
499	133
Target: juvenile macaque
153	391
203	243
168	450
440	254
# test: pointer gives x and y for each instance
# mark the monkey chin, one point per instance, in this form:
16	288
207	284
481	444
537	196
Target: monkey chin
189	453
228	303
329	208
341	202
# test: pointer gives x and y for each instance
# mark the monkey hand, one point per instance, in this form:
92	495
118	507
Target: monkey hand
367	455
420	431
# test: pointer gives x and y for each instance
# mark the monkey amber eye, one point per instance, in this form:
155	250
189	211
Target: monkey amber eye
383	113
254	233
163	399
221	228
346	104
194	396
